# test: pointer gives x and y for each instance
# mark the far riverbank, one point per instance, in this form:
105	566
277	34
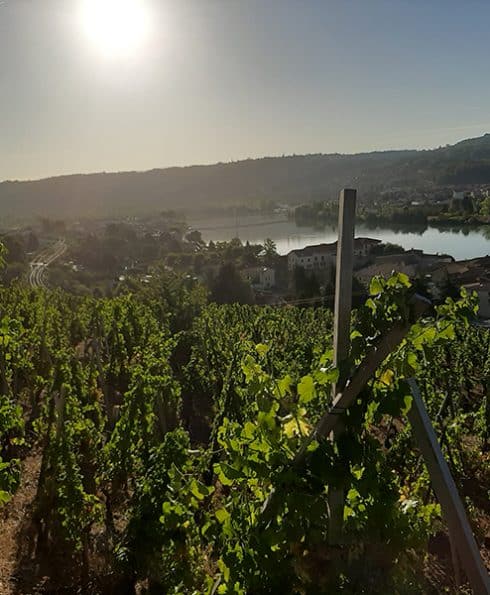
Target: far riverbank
461	242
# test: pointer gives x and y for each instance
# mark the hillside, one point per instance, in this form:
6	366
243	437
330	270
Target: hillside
288	179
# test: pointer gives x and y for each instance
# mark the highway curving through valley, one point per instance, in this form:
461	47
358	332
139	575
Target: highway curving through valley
42	260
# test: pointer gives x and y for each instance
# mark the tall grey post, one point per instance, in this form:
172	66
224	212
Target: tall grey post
341	336
343	283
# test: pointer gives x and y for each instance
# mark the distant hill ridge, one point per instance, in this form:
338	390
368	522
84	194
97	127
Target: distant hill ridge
290	179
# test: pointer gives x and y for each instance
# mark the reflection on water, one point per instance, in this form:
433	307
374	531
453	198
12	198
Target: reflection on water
460	242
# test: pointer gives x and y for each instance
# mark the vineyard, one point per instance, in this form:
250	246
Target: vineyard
144	434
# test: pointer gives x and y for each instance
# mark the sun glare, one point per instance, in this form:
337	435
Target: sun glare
117	27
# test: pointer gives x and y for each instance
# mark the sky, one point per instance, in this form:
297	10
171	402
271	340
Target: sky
208	81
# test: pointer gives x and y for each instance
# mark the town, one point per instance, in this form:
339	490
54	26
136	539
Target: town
102	256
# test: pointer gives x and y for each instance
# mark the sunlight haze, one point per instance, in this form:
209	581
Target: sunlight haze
117	27
136	84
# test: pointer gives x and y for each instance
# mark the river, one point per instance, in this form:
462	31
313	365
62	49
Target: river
462	243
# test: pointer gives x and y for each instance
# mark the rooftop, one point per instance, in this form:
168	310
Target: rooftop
330	248
316	249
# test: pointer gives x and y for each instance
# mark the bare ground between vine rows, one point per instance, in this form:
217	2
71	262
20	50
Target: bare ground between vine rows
14	519
20	572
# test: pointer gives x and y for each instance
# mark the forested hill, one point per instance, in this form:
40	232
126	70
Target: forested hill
289	179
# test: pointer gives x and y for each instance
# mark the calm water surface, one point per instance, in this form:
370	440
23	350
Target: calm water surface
460	243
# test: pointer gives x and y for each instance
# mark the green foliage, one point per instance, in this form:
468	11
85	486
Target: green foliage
485	207
11	434
3	252
166	424
229	287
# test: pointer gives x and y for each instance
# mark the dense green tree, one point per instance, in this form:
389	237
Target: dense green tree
306	284
270	248
15	250
32	242
228	287
194	236
485	207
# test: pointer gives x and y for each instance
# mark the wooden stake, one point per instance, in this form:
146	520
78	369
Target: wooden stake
341	332
343	284
447	495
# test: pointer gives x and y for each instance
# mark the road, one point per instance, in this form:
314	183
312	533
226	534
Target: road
37	274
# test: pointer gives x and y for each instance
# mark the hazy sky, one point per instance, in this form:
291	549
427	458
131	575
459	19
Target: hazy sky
220	80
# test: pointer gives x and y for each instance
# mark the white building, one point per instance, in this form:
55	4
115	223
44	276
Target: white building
321	256
260	277
313	257
267	278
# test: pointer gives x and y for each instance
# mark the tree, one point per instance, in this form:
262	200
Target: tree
199	261
485	207
14	249
2	256
229	287
250	252
388	248
232	249
305	285
194	236
32	242
468	205
270	248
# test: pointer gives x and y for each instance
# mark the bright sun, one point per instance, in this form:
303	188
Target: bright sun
117	27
